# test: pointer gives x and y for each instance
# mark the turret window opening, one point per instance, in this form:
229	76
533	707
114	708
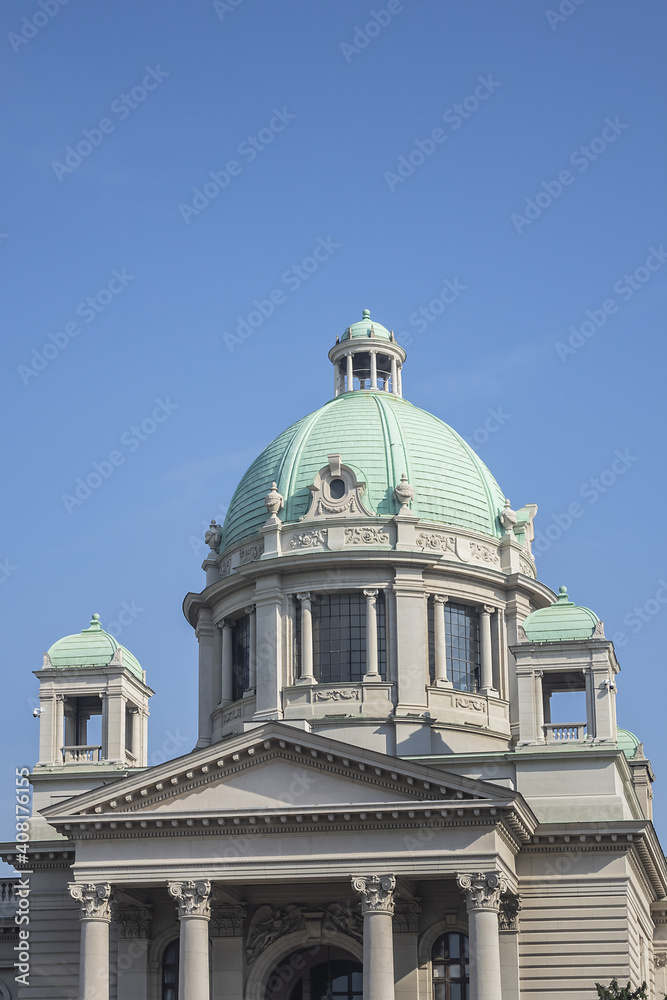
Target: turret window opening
462	642
240	656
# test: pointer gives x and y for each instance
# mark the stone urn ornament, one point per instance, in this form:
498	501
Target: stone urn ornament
508	517
273	503
213	536
404	493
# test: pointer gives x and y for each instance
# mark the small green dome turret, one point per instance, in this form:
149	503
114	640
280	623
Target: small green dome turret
627	742
91	647
562	620
367	329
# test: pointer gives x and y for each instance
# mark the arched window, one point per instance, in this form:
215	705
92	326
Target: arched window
462	641
449	967
170	971
339	636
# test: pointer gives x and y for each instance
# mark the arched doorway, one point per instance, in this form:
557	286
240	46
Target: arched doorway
322	972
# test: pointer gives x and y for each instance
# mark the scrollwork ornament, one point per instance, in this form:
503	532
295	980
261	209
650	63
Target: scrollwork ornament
376	891
192	898
482	891
94	898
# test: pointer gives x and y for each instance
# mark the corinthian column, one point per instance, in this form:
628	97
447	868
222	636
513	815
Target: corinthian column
194	911
482	893
95	917
377	907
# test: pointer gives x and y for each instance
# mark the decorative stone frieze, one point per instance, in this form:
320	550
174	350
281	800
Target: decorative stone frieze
433	541
376	891
132	920
406	916
94	898
508	913
345	919
469	703
309	539
484	553
366	536
192	898
337	694
482	891
250	553
227	919
268	923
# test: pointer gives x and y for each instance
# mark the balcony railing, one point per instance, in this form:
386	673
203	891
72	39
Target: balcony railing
81	755
565	732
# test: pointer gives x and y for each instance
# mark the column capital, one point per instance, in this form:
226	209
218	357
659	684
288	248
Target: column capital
225	623
249	609
370	592
508	913
440	599
486	609
306	596
94	898
376	891
192	898
482	890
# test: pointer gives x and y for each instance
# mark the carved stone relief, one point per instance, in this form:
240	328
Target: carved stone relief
366	536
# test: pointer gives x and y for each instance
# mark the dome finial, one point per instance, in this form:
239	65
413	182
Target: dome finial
366	314
95	623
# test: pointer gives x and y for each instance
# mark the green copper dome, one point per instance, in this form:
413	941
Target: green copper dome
380	436
367	329
92	647
627	742
561	620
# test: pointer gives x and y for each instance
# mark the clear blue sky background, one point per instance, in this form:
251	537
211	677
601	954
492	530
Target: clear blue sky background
137	539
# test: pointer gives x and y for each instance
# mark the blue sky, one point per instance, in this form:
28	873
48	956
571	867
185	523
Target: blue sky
516	153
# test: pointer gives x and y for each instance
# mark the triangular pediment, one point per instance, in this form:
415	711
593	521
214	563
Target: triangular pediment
272	774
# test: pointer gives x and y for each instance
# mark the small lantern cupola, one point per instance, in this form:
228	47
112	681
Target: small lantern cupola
367	357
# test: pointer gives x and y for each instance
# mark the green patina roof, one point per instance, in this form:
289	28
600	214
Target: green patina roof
627	742
92	647
561	620
366	329
381	436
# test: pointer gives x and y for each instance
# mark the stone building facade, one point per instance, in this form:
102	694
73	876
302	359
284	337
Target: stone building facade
385	799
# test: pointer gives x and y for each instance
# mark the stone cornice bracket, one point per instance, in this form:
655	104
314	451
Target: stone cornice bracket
133	920
192	898
482	891
94	898
508	913
376	891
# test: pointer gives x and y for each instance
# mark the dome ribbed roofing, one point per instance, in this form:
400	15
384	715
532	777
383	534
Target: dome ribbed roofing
366	329
561	620
627	742
380	436
92	647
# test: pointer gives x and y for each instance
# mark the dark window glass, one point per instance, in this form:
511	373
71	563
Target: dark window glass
339	637
449	967
339	979
462	642
240	657
170	971
337	489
